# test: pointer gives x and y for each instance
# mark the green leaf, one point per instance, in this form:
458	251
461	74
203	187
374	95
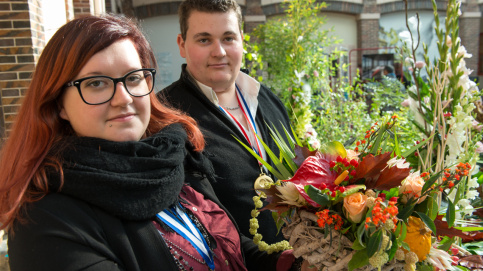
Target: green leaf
291	141
431	181
360	233
404	231
394	247
414	148
433	207
405	246
427	221
280	166
465	229
359	259
260	159
460	191
397	149
316	195
374	243
450	214
357	246
285	151
353	190
335	148
405	212
377	143
445	243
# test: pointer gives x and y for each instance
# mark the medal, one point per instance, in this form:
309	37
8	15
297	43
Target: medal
262	182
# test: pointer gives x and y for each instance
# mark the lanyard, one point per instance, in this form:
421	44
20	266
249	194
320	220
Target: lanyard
177	220
251	122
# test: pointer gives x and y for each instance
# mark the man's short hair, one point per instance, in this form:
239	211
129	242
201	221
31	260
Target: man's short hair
209	6
389	69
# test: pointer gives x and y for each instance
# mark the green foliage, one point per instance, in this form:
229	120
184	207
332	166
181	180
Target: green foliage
292	52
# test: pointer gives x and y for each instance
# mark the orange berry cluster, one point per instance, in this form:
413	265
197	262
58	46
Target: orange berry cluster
358	143
381	213
462	169
327	219
450	176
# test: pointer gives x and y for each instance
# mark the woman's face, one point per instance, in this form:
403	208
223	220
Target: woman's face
124	117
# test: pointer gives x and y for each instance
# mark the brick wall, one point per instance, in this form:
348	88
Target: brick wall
81	8
21	38
470	38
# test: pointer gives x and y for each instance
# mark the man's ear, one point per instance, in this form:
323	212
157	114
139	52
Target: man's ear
181	45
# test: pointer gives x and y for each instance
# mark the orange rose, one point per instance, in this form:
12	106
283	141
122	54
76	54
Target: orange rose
355	207
412	186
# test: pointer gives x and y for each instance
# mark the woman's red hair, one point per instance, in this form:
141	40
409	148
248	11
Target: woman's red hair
26	154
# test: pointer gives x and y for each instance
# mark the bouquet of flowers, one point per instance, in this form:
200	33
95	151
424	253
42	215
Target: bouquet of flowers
359	208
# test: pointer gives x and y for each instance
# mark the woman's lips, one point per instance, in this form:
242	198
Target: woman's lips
122	117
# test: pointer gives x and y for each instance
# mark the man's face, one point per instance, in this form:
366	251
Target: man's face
213	48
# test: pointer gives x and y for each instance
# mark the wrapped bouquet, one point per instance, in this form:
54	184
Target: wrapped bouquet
359	208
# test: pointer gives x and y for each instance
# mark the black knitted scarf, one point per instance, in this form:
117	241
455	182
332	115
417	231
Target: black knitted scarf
133	180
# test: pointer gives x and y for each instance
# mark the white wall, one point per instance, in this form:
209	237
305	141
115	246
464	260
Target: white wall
162	32
345	28
397	21
137	3
54	16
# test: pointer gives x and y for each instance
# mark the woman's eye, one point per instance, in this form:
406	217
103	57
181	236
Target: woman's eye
134	78
96	83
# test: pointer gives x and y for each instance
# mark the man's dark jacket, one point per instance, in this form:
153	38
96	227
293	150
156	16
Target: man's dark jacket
235	167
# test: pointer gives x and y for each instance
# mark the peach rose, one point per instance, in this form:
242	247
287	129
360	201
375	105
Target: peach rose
412	185
355	206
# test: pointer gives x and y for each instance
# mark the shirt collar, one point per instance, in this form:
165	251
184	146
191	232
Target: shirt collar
247	84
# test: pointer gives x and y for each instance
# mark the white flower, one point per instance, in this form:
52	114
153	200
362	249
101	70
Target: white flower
473	183
413	21
462	52
314	143
449	42
419	64
479	147
464	202
299	75
290	194
471	194
414	109
406	38
405	103
300	38
440	259
409	61
399	163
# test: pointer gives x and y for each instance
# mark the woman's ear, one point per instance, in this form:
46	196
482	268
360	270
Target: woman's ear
61	109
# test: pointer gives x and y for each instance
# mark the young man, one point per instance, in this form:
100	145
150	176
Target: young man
226	103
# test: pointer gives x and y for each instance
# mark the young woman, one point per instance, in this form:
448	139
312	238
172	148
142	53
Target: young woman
94	175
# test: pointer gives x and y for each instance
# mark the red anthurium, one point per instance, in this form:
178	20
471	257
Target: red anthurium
315	170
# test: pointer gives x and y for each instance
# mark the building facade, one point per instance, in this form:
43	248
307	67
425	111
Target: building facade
26	26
